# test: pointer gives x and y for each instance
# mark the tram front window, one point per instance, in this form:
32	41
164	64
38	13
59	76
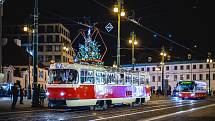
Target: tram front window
186	87
63	76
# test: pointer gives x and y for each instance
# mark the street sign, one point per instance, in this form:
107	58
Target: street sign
109	27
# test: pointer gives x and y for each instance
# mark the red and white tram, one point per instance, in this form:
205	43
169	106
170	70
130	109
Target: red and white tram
91	85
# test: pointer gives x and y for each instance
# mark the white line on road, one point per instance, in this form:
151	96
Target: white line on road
176	113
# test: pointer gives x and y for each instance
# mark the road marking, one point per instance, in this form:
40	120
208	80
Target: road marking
129	114
176	113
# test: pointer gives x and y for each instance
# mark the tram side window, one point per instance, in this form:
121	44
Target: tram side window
110	78
128	79
120	79
142	79
87	76
100	77
135	80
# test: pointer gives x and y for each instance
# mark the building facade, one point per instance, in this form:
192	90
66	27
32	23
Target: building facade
54	43
174	71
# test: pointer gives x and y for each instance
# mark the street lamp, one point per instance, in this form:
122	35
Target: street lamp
120	12
133	42
163	54
209	61
29	30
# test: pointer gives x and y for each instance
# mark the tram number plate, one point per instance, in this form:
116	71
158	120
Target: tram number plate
128	93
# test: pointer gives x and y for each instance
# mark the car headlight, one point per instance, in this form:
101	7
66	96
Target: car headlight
62	94
176	93
180	94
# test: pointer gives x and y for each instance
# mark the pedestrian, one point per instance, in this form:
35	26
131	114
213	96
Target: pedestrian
15	95
42	96
21	93
157	93
25	92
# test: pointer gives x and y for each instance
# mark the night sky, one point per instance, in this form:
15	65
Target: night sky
186	22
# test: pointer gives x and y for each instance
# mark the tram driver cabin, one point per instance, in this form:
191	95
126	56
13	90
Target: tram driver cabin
75	85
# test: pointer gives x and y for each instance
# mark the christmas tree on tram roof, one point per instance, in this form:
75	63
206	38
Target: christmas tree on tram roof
89	52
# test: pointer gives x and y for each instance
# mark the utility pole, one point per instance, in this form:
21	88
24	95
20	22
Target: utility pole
209	61
1	41
118	37
133	42
163	54
35	99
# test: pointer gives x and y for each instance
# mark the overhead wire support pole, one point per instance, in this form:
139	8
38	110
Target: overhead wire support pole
35	99
118	38
1	41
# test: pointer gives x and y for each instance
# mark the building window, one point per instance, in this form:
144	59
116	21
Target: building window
56	28
175	67
64	59
48	58
57	48
213	76
200	66
159	78
41	39
188	76
40	48
153	78
181	67
148	69
136	69
57	58
200	76
207	65
207	76
48	48
40	58
213	65
49	38
142	69
181	77
57	38
50	29
194	66
167	76
194	76
175	77
167	68
188	67
153	68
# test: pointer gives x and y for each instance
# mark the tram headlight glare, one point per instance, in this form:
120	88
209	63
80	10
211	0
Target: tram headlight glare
62	94
192	94
180	94
47	93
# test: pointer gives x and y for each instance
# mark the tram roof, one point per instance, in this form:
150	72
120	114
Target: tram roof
88	67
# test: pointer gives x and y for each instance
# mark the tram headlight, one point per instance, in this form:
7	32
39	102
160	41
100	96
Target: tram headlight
47	93
180	94
62	94
192	94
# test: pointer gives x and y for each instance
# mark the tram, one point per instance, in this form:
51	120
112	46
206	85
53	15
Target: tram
74	85
192	89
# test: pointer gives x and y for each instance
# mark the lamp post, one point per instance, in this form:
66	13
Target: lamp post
120	12
35	99
157	69
209	61
163	54
133	42
29	30
1	14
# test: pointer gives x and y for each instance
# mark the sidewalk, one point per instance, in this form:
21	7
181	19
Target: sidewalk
5	105
161	97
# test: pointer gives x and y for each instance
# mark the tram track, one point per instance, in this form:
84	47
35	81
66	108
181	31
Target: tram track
76	114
